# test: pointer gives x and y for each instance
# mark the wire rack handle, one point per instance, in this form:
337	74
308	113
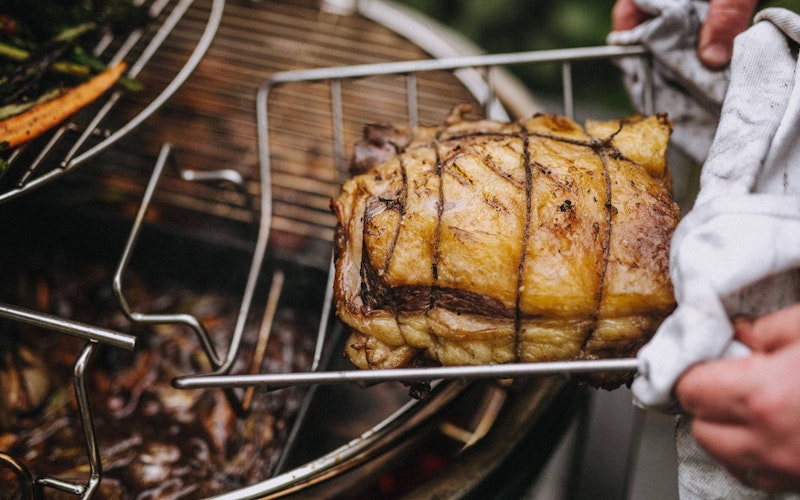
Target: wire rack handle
33	488
220	364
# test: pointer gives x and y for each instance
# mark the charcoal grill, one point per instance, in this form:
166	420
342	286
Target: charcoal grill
256	140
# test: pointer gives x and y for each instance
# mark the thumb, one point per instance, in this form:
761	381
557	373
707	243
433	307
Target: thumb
725	20
625	15
771	332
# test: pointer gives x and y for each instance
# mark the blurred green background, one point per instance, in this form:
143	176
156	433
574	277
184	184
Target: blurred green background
521	25
499	26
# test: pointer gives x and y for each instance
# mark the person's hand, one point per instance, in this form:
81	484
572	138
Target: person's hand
725	20
747	411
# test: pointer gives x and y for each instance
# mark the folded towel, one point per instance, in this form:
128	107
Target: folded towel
690	92
737	251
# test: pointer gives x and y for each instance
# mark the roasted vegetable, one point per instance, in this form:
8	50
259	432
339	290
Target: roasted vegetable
32	123
44	56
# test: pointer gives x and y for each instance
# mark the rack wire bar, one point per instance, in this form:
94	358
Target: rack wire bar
187	320
92	450
454	63
224	364
62	325
218	362
509	370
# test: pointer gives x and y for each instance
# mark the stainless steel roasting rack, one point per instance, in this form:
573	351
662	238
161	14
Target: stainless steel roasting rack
84	137
467	68
476	73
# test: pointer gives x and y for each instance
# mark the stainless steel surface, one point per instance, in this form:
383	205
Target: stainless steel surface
85	331
275	381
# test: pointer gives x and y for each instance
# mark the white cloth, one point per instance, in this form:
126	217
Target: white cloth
745	225
701	478
737	251
690	92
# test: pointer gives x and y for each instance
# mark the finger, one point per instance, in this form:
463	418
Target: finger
765	480
731	445
626	15
737	449
719	390
775	482
771	332
725	20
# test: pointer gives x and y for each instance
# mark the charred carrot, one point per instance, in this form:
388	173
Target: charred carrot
36	121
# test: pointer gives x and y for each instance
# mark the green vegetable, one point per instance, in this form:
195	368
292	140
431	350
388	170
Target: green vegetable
43	44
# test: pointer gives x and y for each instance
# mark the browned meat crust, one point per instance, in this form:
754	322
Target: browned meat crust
486	242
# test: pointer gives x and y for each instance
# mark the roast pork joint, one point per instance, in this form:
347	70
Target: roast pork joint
482	242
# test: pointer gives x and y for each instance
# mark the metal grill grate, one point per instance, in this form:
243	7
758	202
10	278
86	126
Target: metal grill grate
94	130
